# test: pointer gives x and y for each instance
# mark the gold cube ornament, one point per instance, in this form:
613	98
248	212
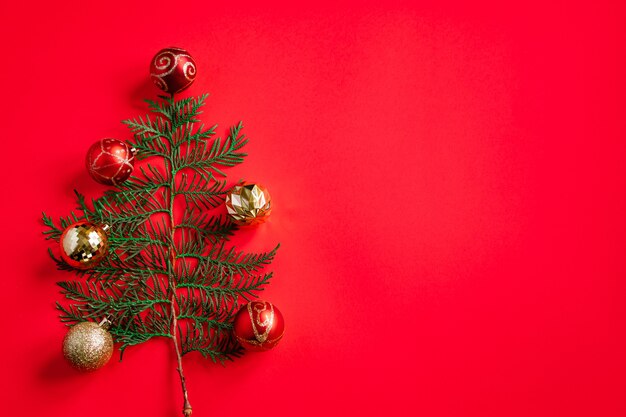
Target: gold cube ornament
248	204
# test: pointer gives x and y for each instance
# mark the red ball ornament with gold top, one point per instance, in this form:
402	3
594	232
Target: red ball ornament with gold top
110	161
259	326
172	70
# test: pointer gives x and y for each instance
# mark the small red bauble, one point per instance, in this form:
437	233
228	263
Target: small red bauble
172	70
110	161
259	326
83	244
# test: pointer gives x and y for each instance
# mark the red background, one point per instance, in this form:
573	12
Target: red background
450	194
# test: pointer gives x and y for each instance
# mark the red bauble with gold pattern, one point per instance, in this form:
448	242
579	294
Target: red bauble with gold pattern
110	161
172	70
84	244
259	326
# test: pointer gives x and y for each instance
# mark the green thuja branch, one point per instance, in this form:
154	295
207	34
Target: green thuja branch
168	274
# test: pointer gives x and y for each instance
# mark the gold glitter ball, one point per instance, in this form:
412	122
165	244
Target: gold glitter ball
87	346
83	245
248	204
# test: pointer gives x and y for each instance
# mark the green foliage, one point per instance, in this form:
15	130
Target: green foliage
160	263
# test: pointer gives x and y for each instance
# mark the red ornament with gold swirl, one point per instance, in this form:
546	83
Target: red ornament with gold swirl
259	326
172	70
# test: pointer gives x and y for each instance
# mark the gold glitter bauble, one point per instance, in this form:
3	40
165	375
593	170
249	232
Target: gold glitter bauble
248	204
83	245
88	346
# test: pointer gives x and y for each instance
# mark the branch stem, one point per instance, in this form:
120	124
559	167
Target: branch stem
186	405
187	410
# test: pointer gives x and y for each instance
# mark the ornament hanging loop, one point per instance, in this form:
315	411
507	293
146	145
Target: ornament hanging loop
105	323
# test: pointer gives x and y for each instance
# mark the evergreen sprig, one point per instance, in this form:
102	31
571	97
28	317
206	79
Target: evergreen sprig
168	274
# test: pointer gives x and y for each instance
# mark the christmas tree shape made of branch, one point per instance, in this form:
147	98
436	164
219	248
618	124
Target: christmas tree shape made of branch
169	272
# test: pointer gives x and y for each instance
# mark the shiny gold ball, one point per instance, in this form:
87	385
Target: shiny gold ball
87	346
83	245
248	204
